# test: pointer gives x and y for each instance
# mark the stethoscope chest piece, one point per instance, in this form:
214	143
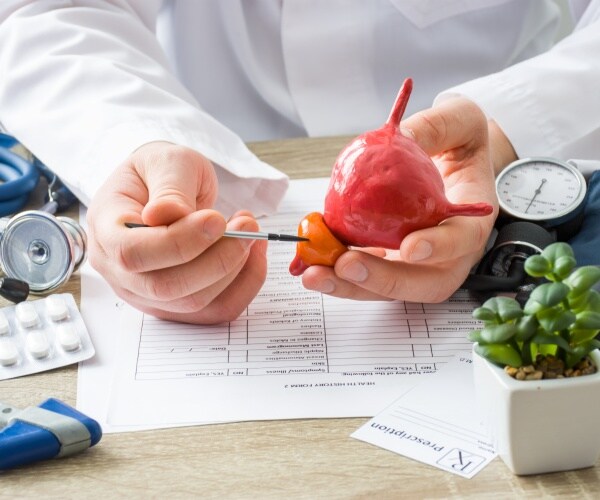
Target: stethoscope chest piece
41	249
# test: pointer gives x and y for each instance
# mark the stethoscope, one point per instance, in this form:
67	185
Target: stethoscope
38	250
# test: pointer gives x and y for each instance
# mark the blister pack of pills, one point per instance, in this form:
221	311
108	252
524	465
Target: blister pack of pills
40	335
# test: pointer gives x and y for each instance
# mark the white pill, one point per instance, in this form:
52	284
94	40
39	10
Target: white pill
68	337
26	314
9	355
4	325
37	344
56	307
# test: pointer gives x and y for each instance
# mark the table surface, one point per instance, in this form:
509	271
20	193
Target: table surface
270	459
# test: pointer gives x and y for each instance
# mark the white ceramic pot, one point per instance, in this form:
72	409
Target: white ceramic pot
540	426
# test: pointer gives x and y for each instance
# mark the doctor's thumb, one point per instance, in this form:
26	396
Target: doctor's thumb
164	208
178	180
170	197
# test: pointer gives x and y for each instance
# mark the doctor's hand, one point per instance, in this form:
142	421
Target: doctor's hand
431	263
181	269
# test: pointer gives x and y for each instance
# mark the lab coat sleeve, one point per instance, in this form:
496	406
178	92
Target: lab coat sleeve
85	83
548	105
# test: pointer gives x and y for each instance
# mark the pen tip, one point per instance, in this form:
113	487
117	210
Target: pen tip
289	237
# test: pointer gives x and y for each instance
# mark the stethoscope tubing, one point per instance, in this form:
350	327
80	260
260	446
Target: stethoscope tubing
20	177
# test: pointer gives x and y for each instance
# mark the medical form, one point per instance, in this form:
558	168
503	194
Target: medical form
294	353
288	330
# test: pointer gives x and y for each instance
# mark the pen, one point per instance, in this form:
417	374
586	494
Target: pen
252	235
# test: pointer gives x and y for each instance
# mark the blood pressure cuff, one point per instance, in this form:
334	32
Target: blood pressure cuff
586	243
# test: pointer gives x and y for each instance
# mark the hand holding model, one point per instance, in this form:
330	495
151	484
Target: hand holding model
422	261
180	269
383	187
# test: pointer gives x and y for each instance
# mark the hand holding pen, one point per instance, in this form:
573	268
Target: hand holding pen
182	269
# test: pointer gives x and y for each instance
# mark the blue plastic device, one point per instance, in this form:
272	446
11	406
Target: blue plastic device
51	430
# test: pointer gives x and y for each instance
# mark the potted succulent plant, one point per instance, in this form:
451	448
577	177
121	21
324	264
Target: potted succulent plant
535	367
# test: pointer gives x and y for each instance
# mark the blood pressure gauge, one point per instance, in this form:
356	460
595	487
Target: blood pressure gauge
541	190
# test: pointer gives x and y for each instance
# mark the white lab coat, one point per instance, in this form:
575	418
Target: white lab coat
85	82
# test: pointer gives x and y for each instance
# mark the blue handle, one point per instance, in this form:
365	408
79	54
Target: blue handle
23	443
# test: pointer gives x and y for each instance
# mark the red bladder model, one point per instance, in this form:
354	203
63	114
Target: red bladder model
383	186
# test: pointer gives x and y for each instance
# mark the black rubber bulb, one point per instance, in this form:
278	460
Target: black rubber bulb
14	290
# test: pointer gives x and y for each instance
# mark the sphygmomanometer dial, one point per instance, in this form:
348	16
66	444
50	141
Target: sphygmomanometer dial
542	190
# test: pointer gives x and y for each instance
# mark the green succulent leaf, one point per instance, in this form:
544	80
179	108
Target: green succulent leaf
555	320
581	336
582	279
587	320
563	266
546	349
500	354
538	266
578	302
588	301
549	339
527	327
593	302
505	307
581	351
546	295
532	307
474	336
557	250
497	334
484	314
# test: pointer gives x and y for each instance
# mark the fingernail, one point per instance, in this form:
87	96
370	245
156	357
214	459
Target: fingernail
213	227
354	272
325	286
421	251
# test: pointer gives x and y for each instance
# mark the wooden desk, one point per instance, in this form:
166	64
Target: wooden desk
258	460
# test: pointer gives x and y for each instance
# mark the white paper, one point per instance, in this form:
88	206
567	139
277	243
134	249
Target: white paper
436	423
294	354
